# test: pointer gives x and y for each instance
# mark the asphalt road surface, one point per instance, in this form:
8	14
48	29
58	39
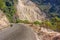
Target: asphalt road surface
17	32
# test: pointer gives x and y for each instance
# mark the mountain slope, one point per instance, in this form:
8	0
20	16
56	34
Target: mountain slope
27	10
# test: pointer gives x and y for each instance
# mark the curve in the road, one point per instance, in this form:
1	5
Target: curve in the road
17	32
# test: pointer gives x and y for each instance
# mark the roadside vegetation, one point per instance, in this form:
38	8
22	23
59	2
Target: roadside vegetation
7	6
53	23
23	21
53	14
37	23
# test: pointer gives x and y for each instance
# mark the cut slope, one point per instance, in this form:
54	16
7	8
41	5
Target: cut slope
3	20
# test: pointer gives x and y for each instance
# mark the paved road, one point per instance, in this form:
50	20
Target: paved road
17	32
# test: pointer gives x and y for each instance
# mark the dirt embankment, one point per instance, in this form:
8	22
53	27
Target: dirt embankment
45	34
3	20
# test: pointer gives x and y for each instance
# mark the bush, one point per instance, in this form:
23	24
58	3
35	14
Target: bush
49	24
19	21
37	23
53	24
26	21
22	21
56	22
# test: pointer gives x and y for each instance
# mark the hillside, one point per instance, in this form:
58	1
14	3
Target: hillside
42	16
22	10
27	10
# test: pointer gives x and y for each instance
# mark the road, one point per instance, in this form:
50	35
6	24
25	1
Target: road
17	32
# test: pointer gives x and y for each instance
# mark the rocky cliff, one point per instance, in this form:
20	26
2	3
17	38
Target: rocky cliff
27	10
45	34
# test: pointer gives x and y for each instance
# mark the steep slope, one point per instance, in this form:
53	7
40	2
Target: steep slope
3	20
27	10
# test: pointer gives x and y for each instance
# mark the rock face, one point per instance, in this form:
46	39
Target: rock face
51	36
46	34
3	20
28	10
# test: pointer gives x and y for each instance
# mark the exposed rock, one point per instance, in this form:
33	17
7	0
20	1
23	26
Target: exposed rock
28	10
45	34
3	20
56	38
49	35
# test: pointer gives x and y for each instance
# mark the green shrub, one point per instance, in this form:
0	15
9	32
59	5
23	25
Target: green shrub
37	23
26	21
53	24
22	21
19	21
56	22
49	24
